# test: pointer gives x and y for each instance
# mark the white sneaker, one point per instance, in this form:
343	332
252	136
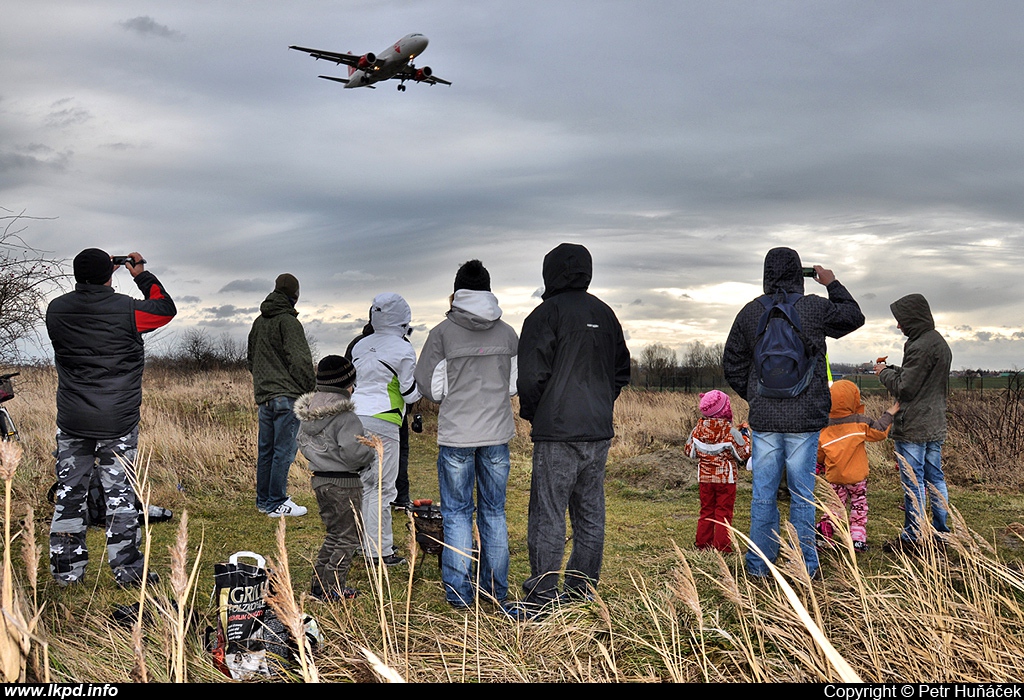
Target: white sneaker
289	508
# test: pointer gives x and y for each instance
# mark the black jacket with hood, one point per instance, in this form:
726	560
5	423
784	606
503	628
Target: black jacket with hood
833	317
920	385
573	360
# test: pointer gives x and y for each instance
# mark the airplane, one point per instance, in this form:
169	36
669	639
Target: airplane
394	62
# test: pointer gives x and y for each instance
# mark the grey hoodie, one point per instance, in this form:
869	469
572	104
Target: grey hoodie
468	365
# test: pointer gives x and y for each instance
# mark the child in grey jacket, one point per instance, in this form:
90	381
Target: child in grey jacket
327	438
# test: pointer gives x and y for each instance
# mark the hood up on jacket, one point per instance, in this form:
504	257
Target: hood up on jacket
390	314
474	310
277	303
913	314
568	266
783	271
846	399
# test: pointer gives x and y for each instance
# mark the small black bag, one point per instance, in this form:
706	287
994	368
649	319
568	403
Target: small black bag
428	526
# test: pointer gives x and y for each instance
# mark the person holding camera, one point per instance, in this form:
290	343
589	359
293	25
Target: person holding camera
786	420
98	351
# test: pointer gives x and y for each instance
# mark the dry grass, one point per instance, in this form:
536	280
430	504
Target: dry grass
953	613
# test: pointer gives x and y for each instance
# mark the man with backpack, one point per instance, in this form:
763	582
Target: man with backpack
775	359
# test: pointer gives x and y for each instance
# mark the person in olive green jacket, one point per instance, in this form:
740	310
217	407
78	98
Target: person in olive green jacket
282	370
920	386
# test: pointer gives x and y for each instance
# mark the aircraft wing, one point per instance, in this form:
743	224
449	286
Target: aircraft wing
339	58
419	76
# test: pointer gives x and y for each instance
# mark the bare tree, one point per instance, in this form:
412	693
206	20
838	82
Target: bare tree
703	364
27	277
658	363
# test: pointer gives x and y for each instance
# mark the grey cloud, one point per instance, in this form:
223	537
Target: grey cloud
64	113
147	26
251	285
187	300
230	311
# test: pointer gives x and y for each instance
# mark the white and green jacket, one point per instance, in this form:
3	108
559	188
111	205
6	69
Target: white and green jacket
385	362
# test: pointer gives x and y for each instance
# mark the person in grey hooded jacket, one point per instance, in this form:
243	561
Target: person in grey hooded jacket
919	427
468	365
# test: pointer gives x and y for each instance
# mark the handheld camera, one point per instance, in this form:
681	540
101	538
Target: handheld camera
119	260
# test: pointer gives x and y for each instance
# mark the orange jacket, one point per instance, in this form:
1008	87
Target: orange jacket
841	444
718	448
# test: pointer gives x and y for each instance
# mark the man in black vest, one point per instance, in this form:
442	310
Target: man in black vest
98	351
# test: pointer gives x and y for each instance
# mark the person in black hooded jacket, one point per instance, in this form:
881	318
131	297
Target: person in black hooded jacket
785	430
572	364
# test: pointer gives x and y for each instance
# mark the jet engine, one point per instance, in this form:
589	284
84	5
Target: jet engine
366	61
422	73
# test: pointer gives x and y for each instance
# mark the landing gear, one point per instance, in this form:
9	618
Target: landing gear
401	87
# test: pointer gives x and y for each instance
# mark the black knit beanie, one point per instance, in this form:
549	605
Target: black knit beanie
335	371
473	275
93	266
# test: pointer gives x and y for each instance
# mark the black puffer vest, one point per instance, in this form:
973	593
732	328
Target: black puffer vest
99	356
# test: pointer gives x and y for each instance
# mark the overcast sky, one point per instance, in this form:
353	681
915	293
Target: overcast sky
677	140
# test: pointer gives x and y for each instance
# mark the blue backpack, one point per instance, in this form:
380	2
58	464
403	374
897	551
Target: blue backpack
785	366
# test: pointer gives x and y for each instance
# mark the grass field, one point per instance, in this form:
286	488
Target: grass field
665	611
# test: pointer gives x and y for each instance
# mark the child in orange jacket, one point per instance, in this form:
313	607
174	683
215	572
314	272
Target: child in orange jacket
719	448
843	452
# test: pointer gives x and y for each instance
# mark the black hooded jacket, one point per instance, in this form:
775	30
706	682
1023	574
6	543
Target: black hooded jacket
920	385
833	317
573	360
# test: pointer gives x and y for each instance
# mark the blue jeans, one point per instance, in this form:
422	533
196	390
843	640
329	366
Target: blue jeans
458	468
925	459
276	451
773	453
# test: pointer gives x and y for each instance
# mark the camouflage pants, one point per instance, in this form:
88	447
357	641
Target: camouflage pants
77	458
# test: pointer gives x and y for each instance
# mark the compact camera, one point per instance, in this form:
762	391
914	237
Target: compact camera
119	260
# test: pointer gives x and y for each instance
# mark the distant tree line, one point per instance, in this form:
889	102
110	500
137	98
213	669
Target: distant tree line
197	351
698	369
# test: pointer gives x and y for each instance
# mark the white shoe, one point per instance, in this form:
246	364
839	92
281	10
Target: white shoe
288	508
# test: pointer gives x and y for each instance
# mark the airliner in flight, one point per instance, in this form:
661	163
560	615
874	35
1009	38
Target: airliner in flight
394	62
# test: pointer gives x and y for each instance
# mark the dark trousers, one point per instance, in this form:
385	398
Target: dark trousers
340	509
566	475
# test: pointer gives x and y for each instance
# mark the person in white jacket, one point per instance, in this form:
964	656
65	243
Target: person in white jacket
385	362
468	365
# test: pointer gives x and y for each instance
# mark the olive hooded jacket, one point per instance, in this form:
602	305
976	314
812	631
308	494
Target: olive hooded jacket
920	385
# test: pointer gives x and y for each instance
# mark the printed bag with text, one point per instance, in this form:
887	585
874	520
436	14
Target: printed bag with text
239	595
